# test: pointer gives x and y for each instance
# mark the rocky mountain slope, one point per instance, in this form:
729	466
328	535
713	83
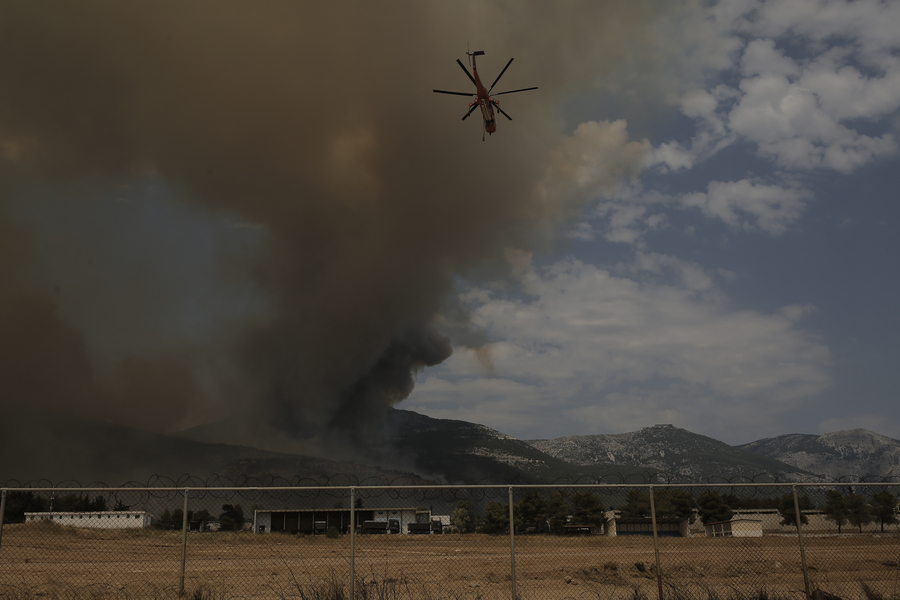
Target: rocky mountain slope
852	454
463	452
681	454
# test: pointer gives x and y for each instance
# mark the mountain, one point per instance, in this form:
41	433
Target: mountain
63	448
854	453
679	453
463	452
449	450
57	448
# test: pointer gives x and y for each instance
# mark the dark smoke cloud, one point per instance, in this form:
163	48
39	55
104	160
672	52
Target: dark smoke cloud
315	123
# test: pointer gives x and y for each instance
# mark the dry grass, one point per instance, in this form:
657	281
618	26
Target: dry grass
45	560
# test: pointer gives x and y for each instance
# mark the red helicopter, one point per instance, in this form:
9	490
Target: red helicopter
483	97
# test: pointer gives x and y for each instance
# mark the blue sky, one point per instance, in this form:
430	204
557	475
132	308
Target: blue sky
745	284
691	221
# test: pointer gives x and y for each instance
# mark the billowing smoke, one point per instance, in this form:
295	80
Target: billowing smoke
312	128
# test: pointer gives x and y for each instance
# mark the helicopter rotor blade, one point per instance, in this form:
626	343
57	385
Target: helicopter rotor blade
454	93
514	91
472	108
499	76
469	75
497	106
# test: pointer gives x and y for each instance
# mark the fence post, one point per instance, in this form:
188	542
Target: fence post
184	527
800	538
512	543
656	544
352	543
2	512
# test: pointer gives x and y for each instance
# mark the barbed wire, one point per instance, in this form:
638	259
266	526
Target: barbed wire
344	480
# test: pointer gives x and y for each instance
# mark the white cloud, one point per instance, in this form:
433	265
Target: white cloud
593	351
747	205
625	216
798	110
790	125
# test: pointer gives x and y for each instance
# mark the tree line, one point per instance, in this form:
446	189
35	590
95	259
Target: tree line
230	519
553	511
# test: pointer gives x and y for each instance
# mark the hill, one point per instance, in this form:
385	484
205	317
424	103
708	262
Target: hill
463	452
55	449
854	453
681	454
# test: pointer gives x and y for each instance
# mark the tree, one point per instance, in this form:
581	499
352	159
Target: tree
637	504
201	515
19	503
712	508
164	521
177	520
463	517
496	518
556	510
667	502
835	508
735	501
530	510
786	509
79	503
859	512
884	506
232	517
587	508
674	503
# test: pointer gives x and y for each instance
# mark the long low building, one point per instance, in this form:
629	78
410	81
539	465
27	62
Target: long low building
319	520
665	526
736	527
108	519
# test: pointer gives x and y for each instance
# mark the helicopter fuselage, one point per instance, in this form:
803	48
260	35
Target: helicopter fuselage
484	102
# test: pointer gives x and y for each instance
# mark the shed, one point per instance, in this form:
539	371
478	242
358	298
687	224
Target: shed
736	527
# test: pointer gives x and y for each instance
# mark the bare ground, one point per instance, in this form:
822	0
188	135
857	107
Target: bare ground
42	559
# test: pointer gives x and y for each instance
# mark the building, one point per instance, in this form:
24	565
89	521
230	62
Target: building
617	525
319	520
665	526
736	527
108	519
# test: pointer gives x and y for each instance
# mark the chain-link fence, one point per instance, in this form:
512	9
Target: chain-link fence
720	542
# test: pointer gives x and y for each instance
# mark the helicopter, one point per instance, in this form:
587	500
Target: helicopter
483	97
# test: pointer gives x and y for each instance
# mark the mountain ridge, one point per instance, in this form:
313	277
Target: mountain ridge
677	452
850	453
420	449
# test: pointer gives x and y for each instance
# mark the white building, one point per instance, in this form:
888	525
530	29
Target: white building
736	527
108	519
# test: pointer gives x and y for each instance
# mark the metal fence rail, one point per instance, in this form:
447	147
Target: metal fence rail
640	542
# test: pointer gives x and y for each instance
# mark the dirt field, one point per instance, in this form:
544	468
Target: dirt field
42	559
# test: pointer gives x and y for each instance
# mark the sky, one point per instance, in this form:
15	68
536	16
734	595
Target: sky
745	285
265	215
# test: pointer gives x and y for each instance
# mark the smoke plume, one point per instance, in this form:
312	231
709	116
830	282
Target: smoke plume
307	128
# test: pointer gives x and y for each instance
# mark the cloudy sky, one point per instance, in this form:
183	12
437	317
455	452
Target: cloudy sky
264	214
745	285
